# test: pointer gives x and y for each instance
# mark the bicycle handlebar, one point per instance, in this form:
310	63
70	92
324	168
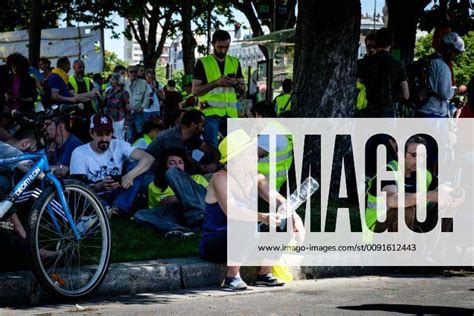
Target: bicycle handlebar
39	118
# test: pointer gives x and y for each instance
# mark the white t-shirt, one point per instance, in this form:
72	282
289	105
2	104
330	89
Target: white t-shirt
97	166
155	107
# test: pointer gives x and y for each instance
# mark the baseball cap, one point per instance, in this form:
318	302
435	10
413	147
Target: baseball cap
454	39
101	123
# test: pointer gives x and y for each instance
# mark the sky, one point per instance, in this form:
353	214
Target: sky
117	45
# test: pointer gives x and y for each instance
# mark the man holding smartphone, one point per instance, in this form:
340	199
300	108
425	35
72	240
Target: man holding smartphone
217	81
101	161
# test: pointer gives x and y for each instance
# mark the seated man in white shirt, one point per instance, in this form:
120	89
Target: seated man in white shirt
100	163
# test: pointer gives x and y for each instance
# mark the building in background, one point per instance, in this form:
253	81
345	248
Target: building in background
133	53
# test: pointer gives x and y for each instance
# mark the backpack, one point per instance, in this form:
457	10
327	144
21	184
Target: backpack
418	73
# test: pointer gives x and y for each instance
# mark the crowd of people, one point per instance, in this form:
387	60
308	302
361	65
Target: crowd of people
134	137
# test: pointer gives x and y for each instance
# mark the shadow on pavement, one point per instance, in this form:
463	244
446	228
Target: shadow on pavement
411	309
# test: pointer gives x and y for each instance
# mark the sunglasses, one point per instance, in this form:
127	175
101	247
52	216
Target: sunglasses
132	71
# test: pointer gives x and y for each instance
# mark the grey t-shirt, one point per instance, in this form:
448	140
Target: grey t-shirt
8	151
169	139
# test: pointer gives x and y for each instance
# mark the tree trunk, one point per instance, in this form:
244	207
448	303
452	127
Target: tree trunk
188	42
403	16
150	58
327	37
34	40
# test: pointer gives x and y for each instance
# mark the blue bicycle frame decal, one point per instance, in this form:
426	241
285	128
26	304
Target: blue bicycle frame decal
39	167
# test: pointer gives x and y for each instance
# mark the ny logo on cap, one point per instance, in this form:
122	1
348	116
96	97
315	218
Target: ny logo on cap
103	120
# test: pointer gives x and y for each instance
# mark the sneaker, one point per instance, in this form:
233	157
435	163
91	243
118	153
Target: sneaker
85	223
234	283
178	234
268	280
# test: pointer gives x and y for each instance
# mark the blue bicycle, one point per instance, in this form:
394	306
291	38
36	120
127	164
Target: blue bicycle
68	230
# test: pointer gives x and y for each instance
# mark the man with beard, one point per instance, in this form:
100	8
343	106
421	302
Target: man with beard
217	80
101	161
202	157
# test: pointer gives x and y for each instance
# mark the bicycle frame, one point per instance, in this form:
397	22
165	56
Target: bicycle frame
41	166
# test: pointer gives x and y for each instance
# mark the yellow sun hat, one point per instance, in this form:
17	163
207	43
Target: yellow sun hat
234	144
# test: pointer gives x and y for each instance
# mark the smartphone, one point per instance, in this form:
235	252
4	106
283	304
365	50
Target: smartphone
117	178
230	76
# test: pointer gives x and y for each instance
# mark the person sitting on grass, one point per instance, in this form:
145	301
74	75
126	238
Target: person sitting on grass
150	130
101	161
175	199
213	244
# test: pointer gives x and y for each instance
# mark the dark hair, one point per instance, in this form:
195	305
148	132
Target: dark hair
264	108
150	72
384	38
160	174
139	65
65	120
96	77
287	85
220	36
63	61
415	139
119	68
193	116
21	63
171	83
370	37
45	60
22	134
148	126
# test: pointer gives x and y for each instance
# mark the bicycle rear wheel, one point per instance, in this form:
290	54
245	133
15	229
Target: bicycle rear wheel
62	265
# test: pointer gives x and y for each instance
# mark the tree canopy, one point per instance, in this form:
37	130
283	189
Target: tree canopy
463	66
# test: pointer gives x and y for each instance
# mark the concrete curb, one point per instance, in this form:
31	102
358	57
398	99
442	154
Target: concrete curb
158	275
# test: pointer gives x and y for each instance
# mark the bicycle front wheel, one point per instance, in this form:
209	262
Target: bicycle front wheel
62	264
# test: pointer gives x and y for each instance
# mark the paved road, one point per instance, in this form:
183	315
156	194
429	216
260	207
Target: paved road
364	295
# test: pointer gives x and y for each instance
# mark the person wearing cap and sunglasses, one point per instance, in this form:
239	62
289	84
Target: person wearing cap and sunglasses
440	81
219	197
101	161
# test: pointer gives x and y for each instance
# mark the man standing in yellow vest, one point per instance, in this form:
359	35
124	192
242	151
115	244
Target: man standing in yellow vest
217	80
83	86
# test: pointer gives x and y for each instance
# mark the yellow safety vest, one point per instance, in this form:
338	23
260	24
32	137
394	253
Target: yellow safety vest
283	103
155	194
146	138
73	82
222	100
284	158
361	96
371	208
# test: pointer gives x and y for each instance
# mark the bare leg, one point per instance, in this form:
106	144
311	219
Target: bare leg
265	270
233	271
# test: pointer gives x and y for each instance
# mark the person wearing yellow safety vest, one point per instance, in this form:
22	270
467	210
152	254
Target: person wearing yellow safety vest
83	85
175	198
150	130
217	80
283	145
283	101
391	189
371	49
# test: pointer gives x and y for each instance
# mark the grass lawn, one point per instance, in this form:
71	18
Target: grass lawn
130	242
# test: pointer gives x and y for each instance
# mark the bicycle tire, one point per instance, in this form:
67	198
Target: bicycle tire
62	282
